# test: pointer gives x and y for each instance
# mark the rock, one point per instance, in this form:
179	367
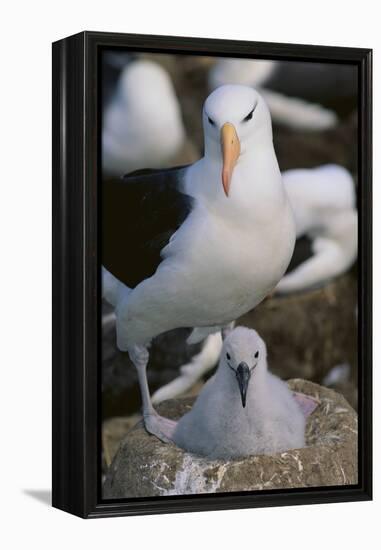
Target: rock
144	466
113	431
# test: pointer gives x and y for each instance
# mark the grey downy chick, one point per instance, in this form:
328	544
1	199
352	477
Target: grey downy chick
243	409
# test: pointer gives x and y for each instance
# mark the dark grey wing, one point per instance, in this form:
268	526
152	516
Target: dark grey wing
140	213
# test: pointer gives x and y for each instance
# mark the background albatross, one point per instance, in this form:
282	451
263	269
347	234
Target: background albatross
201	245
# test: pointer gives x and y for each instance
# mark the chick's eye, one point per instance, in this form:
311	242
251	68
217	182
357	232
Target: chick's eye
256	355
228	356
211	121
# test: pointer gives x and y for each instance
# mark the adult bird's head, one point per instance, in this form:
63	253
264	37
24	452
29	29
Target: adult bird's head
243	357
236	120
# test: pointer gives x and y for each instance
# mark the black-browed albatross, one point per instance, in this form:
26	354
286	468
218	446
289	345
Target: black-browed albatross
201	245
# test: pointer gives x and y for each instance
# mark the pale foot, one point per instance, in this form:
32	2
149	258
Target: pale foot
162	428
306	402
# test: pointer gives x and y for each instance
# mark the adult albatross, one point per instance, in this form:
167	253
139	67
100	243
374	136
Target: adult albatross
201	245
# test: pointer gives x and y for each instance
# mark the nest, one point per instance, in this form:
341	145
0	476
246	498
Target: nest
143	466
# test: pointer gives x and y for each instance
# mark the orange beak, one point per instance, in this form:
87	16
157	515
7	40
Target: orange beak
231	149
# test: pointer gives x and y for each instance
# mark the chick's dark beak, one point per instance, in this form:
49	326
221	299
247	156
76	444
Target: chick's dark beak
243	376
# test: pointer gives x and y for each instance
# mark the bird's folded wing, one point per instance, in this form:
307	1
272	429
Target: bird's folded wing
140	213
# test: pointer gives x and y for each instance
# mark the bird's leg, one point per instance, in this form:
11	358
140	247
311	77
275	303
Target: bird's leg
227	329
139	356
155	424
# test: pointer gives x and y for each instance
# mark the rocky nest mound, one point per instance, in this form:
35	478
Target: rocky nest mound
144	466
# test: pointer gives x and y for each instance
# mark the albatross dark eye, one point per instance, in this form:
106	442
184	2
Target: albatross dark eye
211	121
256	355
227	356
249	116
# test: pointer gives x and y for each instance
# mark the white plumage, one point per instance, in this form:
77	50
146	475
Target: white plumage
323	200
230	252
219	426
142	125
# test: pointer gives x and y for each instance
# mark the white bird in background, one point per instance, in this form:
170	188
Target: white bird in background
323	200
142	122
193	371
248	72
243	409
290	111
198	246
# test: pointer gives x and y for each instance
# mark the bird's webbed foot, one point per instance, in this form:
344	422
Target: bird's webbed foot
306	402
162	428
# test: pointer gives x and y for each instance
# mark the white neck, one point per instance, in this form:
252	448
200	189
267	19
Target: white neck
256	187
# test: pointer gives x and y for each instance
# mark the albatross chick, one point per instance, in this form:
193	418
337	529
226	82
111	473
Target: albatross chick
243	409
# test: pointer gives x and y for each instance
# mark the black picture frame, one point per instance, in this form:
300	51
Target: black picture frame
76	277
